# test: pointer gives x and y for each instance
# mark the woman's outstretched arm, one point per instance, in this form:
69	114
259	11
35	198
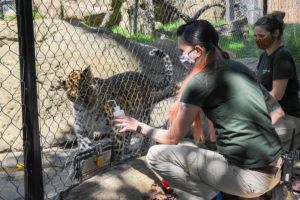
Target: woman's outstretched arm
184	119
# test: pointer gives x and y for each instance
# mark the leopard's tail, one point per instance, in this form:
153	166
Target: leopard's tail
166	87
168	66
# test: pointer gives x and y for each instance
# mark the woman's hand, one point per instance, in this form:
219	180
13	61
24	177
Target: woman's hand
125	123
276	115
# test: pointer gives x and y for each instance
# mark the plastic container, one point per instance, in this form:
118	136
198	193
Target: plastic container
117	110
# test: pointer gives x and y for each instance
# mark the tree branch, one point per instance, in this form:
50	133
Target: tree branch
202	10
183	16
173	9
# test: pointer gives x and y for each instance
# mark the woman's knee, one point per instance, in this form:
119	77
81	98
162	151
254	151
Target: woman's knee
285	129
154	153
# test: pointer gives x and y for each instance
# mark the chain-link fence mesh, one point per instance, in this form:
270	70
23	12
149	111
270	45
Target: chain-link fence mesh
111	42
11	140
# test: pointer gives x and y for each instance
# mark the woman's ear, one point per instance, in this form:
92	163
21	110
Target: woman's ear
276	33
199	50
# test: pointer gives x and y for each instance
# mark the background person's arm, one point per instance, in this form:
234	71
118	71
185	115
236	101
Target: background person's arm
274	109
278	88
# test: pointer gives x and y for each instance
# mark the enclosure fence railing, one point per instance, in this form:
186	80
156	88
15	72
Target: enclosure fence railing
31	136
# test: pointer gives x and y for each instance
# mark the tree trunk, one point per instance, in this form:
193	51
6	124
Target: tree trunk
141	16
113	16
229	10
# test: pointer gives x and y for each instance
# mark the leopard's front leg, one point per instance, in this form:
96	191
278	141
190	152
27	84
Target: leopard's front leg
117	143
84	144
82	135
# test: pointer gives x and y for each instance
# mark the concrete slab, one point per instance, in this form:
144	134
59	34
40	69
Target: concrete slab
125	181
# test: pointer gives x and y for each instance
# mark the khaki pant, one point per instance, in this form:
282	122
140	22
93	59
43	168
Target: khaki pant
285	128
196	173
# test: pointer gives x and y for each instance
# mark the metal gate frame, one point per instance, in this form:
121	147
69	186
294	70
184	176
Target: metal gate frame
33	179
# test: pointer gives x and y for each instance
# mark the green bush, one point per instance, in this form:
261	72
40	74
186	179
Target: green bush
292	41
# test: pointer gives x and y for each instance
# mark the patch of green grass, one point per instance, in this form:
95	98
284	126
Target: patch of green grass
171	26
35	15
9	17
138	36
143	38
219	22
119	30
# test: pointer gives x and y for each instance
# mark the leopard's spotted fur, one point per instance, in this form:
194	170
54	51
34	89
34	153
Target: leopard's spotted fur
134	92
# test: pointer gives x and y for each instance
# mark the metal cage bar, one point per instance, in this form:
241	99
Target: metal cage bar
32	150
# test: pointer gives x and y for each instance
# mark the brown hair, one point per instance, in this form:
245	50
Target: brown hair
272	22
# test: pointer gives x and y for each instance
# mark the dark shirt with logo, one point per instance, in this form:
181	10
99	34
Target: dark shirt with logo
277	66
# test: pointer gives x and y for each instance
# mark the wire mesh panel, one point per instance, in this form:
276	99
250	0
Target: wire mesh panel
11	140
90	52
112	67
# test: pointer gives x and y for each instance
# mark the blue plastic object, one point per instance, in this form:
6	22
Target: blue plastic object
220	196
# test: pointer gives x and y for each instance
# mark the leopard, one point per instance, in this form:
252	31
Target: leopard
133	91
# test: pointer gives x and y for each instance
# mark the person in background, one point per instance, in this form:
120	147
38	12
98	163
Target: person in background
276	71
248	161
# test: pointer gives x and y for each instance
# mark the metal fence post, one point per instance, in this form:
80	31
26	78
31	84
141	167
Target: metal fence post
265	7
229	10
1	11
135	16
31	140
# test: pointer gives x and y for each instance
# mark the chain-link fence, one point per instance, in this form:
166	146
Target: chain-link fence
123	50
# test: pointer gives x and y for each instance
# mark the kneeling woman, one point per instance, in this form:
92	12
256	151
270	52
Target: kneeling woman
248	160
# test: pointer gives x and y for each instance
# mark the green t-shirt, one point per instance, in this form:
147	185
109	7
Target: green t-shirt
280	65
232	99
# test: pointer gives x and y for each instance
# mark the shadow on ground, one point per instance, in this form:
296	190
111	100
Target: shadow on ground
130	180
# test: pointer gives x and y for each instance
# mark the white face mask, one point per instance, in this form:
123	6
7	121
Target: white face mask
187	61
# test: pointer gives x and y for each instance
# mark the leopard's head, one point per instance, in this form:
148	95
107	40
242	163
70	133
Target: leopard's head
78	85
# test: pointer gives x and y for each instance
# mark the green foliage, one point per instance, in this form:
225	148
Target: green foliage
89	22
219	22
292	41
143	38
7	17
241	46
35	15
171	26
138	36
119	30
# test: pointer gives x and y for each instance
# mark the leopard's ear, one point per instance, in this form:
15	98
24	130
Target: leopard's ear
87	72
63	84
